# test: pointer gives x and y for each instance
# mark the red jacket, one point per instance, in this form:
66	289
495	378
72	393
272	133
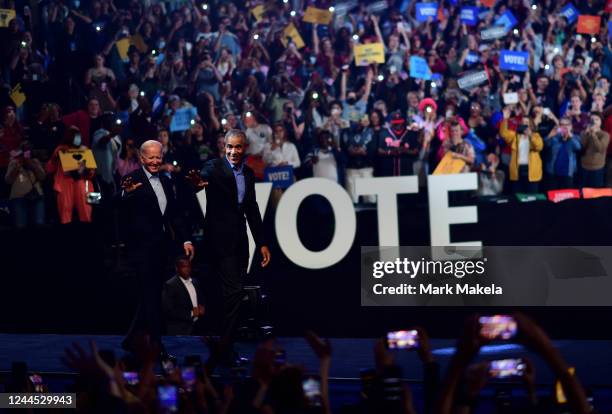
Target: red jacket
81	120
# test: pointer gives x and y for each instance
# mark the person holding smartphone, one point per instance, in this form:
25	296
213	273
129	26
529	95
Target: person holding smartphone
563	146
595	143
525	162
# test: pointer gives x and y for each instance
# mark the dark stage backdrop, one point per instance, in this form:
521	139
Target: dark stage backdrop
66	280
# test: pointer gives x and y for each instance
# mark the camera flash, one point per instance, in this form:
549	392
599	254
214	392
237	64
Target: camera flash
331	9
515	31
355	37
142	93
556	50
223	121
315	96
380	78
192	122
153	52
546	67
434	84
248	114
174	163
118	122
98	28
593	39
23	44
292	13
205	6
534	7
428	109
255	36
285	1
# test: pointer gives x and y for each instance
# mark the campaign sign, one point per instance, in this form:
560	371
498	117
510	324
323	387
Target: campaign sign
469	15
280	177
181	121
424	11
473	79
570	13
419	68
512	60
472	58
507	20
492	33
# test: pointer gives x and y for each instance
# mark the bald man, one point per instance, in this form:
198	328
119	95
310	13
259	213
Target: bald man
155	232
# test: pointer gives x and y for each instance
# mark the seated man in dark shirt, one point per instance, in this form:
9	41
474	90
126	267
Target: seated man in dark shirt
181	300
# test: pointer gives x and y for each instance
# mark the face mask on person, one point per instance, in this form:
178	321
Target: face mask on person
77	140
351	100
336	112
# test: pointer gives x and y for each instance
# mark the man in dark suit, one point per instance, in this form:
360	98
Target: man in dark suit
154	231
230	203
182	300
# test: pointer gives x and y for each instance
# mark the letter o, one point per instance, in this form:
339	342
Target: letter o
287	230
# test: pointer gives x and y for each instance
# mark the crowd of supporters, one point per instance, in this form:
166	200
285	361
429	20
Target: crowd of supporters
110	74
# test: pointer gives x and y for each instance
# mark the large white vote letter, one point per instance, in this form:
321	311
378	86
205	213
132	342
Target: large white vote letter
441	216
386	190
287	228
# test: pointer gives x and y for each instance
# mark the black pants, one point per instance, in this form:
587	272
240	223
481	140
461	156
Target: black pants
230	272
151	271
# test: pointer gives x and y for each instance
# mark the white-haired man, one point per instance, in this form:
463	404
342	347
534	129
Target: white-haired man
154	232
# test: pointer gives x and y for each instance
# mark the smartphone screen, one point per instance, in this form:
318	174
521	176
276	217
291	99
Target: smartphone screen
131	377
505	368
169	365
167	397
37	382
312	390
189	377
402	339
497	327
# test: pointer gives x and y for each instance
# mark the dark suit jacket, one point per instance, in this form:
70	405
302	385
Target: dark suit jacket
146	225
225	224
177	306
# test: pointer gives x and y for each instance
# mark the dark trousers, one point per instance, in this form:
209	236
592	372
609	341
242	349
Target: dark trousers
593	178
561	182
230	272
523	185
151	271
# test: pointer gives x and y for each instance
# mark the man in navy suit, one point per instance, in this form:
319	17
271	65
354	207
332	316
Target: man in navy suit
230	203
155	230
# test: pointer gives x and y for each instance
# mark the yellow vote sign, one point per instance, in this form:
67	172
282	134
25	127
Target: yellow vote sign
71	158
258	12
292	33
319	16
369	53
449	165
6	15
17	96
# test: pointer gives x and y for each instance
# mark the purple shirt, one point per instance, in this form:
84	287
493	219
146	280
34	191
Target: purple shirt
239	176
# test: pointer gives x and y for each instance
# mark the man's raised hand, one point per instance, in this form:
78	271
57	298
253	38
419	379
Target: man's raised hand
128	185
196	180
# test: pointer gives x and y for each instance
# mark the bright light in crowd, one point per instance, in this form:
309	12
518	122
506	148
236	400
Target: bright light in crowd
515	31
331	9
248	114
98	28
546	67
380	78
285	1
205	6
355	37
556	50
534	7
256	36
315	96
593	39
192	122
118	121
223	121
142	93
434	85
292	13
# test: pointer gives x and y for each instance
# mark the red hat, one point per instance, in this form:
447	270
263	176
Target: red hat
427	102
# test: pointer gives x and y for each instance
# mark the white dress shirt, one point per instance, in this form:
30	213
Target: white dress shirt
158	189
193	295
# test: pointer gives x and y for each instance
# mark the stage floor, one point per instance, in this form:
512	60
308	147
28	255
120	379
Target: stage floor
592	359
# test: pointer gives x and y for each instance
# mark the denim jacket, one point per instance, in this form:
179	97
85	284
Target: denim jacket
553	145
